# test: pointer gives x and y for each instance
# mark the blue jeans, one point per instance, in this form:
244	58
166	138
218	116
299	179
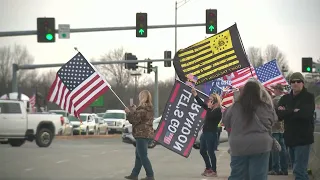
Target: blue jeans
279	159
299	157
142	158
251	167
208	141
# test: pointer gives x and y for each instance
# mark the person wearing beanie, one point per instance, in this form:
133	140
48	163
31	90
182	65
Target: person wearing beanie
297	109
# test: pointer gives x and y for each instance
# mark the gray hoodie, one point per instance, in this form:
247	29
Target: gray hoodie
252	138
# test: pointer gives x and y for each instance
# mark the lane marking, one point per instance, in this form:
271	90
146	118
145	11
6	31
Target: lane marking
62	161
28	169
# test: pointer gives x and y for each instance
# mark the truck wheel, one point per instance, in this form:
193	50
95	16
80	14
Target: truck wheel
16	142
44	137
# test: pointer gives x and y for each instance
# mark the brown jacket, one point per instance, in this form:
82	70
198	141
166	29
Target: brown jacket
142	121
278	127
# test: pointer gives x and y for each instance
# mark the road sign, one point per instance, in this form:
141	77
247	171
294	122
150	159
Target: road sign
98	102
64	31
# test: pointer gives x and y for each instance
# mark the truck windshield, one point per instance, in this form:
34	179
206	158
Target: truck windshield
114	116
64	114
72	118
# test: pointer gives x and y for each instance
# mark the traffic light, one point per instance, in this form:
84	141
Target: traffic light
130	56
46	30
141	25
307	64
167	55
149	67
211	21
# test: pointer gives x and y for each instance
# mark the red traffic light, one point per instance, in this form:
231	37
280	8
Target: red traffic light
141	18
211	14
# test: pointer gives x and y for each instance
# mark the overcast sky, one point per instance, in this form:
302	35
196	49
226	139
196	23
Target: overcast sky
292	25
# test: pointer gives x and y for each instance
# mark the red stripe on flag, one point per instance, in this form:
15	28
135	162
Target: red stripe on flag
175	92
203	114
190	145
52	87
163	123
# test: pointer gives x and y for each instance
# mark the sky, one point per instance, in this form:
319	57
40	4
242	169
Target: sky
292	25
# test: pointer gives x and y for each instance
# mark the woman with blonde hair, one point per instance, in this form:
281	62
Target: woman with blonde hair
251	118
141	118
208	138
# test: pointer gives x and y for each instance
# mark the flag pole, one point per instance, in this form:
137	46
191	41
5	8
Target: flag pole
76	49
117	97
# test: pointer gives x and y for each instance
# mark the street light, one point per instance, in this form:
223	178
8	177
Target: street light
135	83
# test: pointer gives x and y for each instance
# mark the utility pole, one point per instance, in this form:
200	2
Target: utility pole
156	92
135	85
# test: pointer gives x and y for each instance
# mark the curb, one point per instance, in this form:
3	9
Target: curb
88	136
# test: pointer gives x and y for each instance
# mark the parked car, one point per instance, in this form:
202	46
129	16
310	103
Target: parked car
101	125
115	119
67	128
87	125
127	136
17	126
223	138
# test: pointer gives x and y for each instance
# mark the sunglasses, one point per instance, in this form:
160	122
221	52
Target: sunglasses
296	81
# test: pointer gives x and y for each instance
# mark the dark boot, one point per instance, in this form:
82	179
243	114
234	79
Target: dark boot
148	178
131	177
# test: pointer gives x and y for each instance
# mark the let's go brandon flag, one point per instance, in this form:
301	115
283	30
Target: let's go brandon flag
181	120
212	58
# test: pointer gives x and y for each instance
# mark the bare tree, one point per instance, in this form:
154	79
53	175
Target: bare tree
254	56
115	73
9	55
273	52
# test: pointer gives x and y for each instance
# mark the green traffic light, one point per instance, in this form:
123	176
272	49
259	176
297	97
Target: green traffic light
211	28
141	31
49	37
308	69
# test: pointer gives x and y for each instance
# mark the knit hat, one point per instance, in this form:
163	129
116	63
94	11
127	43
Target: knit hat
297	75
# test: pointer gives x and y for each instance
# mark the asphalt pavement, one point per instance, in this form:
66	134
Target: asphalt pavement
98	159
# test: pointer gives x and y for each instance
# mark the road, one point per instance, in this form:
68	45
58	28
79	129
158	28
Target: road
100	159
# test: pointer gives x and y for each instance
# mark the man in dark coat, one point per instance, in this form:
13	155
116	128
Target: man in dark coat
297	109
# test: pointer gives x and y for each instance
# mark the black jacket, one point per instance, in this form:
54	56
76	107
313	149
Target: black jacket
213	117
298	126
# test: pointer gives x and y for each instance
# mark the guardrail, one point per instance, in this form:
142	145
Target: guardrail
314	158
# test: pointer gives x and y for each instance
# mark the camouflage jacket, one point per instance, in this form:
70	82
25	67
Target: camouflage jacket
278	126
142	122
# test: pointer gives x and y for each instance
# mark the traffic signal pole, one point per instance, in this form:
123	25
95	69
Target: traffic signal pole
156	92
84	30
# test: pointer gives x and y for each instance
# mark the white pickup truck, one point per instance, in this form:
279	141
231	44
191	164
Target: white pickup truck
17	126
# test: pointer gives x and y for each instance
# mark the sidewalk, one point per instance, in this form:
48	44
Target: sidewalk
223	167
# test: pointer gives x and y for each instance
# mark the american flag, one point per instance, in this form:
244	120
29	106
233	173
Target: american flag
238	79
191	80
32	102
269	74
77	85
168	137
